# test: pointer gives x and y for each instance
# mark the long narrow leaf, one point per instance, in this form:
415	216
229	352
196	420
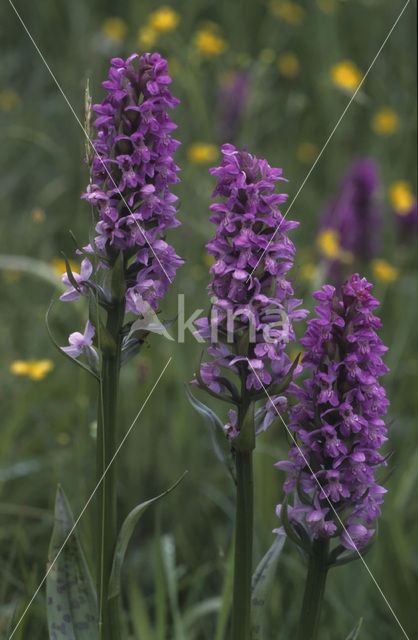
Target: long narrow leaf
354	634
71	598
226	597
261	586
125	535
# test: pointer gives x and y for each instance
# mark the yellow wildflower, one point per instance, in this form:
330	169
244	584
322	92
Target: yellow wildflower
385	122
209	43
308	271
115	29
34	369
329	243
288	64
289	11
58	264
327	6
164	19
146	37
383	271
202	152
401	197
37	214
63	438
346	75
208	260
9	100
306	152
266	56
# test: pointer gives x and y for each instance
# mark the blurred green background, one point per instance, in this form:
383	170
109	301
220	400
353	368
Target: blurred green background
296	66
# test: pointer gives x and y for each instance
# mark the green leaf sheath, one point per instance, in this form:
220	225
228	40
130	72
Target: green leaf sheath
314	591
107	439
241	604
71	599
261	585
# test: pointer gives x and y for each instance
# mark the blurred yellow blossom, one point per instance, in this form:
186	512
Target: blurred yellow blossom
385	122
209	42
164	19
267	56
37	214
63	438
35	369
401	197
10	275
346	75
9	100
289	11
308	271
146	37
288	64
306	152
383	271
58	264
208	260
329	243
202	152
327	6
115	29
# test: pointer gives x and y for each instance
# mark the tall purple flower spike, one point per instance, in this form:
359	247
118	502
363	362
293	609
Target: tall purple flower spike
355	212
338	419
261	304
130	176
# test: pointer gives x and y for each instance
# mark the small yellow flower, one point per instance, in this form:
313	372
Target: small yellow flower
288	11
329	243
202	152
209	43
208	260
308	271
267	56
10	276
63	438
9	100
163	20
383	271
346	75
385	122
401	197
34	369
146	37
58	264
327	6
115	29
37	214
288	64
306	152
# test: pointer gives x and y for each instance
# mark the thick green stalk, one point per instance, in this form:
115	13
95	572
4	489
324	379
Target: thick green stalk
314	591
109	627
241	603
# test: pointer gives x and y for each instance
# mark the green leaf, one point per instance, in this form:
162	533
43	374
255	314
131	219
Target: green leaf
261	586
71	599
226	596
354	634
219	440
124	536
169	562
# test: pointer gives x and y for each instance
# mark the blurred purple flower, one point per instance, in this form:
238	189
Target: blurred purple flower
233	98
338	419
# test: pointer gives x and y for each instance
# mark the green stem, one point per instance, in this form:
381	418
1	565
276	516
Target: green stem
241	603
106	445
314	591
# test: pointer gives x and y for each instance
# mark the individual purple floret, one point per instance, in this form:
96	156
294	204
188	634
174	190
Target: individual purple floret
81	343
131	172
337	421
253	307
355	214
